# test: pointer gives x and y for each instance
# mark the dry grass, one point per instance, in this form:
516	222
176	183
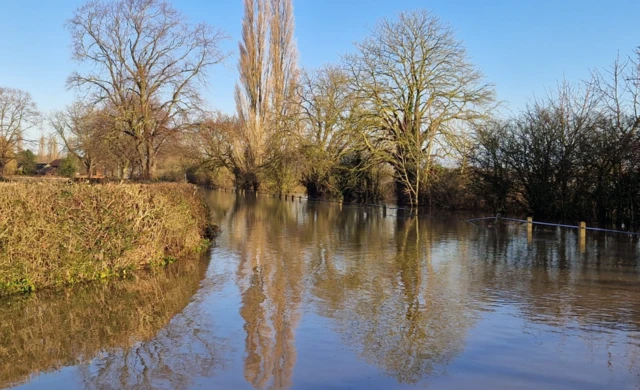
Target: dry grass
62	234
35	179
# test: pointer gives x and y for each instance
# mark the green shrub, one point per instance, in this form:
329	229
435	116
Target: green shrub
67	168
28	161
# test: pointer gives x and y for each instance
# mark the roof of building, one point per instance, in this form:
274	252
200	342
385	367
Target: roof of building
56	163
47	171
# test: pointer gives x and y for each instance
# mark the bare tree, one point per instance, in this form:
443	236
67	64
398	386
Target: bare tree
574	155
18	113
493	180
146	61
81	128
264	96
612	153
42	148
53	148
326	116
619	93
284	103
414	79
213	140
542	146
249	145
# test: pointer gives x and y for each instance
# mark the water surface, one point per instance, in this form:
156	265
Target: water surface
318	296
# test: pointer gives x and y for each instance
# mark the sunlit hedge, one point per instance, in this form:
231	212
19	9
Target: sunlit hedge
61	234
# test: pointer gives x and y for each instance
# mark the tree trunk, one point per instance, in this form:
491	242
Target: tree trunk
402	192
407	188
89	167
149	162
122	169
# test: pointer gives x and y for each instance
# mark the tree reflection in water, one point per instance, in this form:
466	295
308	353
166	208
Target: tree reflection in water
403	311
404	293
124	334
394	296
591	295
270	273
411	299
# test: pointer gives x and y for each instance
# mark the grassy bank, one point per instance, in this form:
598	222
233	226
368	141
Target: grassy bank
62	234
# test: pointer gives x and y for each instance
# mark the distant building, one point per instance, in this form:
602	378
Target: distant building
48	169
56	163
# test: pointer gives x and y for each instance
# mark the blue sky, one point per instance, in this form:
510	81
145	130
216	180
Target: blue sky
524	47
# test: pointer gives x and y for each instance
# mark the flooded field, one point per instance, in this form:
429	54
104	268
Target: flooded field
317	296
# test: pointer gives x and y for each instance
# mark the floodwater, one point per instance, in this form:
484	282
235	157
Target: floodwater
317	296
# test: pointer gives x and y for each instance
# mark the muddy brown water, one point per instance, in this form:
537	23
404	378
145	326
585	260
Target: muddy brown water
314	296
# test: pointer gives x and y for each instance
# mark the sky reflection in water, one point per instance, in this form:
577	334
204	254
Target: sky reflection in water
311	296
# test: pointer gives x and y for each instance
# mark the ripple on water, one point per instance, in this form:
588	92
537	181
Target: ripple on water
312	296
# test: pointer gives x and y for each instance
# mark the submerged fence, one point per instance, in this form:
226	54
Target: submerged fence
582	227
294	197
529	221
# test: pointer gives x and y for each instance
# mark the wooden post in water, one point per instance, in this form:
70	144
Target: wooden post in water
384	210
582	240
529	230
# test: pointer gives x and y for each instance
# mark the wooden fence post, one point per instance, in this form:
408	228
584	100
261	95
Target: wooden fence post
582	237
583	229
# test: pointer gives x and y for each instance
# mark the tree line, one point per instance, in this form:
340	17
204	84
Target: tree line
381	118
406	115
574	155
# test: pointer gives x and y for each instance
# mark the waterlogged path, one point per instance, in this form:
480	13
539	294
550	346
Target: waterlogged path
309	296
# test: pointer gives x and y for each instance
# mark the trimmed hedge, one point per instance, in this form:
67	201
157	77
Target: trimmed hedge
62	234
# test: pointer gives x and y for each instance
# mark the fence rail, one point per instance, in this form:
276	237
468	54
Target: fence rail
581	226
